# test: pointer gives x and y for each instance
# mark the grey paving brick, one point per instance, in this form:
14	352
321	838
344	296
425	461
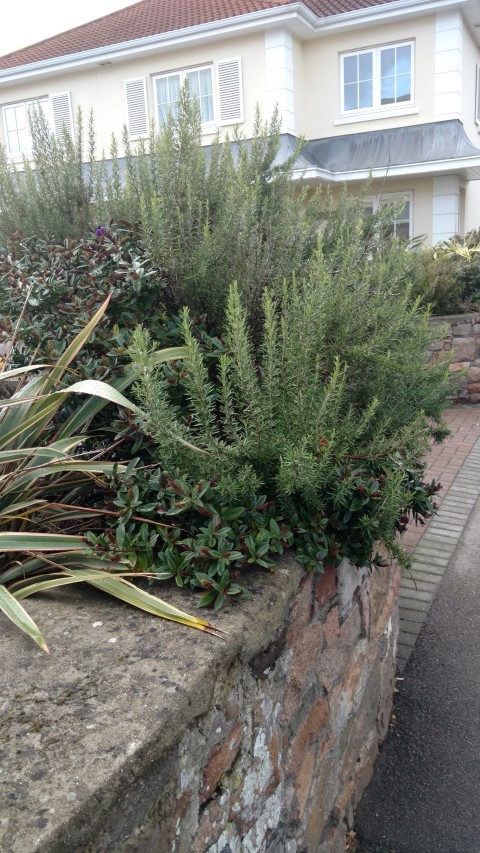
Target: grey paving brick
415	583
410	615
433	557
445	523
426	576
405	639
424	565
450	517
409	626
439	543
448	533
417	594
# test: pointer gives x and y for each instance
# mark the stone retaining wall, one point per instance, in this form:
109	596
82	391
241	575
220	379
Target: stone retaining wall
461	344
141	735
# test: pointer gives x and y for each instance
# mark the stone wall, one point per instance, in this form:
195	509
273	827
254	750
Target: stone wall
461	344
140	735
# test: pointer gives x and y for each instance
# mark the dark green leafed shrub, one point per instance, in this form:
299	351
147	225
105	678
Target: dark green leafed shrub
49	288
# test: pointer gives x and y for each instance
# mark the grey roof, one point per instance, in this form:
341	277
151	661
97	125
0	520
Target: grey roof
437	148
441	142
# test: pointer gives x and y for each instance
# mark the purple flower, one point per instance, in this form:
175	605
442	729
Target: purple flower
101	231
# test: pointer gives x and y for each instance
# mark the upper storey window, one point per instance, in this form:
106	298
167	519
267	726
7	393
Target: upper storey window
378	78
217	88
168	86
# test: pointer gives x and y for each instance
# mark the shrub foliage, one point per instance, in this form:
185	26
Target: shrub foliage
302	404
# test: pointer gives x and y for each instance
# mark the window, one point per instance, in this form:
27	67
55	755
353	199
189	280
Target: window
377	78
17	132
401	227
57	110
167	91
218	88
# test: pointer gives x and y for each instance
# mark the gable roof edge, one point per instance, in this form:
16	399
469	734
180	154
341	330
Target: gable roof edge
295	12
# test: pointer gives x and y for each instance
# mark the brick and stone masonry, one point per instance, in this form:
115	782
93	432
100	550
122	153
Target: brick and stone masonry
461	345
139	735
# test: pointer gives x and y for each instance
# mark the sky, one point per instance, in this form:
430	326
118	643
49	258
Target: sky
29	21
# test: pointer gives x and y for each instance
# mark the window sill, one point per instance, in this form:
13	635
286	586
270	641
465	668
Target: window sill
374	115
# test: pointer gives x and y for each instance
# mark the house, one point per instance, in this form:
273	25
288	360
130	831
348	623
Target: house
389	88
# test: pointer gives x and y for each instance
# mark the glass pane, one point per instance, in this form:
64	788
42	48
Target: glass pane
351	97
388	91
24	141
162	90
194	84
402	230
12	140
404	88
404	59
350	73
387	62
207	108
168	89
365	94
173	88
365	66
205	76
10	121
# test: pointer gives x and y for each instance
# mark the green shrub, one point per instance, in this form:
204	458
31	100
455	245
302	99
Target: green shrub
207	215
49	288
448	275
329	415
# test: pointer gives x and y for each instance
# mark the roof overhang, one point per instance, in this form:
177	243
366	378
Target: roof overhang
466	169
436	148
296	17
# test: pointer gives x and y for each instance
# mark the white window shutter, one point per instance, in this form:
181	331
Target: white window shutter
62	113
230	95
136	100
477	96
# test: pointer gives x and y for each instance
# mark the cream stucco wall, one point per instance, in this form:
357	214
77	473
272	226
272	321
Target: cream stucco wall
421	190
101	87
320	70
470	59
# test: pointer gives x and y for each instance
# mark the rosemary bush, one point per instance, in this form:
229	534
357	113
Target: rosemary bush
329	414
188	200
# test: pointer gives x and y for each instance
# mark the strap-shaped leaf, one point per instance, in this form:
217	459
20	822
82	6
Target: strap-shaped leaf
19	616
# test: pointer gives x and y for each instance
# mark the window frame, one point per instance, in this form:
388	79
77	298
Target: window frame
377	106
27	104
381	199
182	73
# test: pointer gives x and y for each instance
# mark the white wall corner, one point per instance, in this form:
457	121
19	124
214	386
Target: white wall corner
446	207
448	64
279	75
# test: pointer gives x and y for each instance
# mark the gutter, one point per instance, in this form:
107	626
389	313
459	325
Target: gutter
402	170
295	13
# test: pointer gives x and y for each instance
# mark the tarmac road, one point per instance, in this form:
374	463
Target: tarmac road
425	794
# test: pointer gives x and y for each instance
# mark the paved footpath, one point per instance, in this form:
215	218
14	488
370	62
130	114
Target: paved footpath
425	794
